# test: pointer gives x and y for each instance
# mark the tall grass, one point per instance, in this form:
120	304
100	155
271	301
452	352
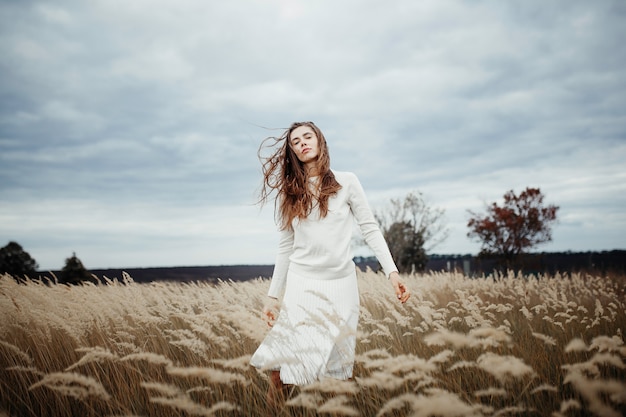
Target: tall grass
492	346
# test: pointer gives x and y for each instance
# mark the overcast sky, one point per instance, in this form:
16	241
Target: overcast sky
129	129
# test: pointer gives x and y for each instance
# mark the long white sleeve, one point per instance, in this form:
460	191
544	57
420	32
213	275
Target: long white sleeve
279	277
370	228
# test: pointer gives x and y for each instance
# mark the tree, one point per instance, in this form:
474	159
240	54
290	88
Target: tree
406	246
15	261
411	228
74	272
521	223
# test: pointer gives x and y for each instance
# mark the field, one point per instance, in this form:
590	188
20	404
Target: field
494	346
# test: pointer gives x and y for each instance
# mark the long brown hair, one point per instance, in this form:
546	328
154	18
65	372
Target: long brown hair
284	173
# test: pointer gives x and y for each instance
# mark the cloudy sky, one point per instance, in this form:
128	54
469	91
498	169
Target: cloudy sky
129	129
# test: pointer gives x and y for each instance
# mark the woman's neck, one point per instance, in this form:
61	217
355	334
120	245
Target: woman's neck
311	169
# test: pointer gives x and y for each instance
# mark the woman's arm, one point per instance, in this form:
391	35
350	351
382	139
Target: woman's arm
279	277
375	239
369	226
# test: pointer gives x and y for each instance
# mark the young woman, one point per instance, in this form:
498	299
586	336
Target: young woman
313	336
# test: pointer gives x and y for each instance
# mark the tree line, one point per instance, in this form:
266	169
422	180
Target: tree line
411	228
18	263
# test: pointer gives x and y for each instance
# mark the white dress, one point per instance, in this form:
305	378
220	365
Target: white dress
315	333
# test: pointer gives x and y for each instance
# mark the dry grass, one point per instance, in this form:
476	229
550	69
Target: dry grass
460	347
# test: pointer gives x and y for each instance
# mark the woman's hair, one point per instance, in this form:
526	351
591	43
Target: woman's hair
284	173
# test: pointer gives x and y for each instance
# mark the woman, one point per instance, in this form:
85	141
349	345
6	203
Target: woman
314	334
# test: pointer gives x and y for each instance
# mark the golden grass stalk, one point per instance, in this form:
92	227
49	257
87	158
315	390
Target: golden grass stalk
338	406
211	375
435	402
73	384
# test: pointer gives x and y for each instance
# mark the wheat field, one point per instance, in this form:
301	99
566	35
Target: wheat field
490	346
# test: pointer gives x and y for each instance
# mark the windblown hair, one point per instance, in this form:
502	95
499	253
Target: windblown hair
284	173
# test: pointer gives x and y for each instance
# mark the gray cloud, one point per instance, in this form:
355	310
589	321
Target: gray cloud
128	131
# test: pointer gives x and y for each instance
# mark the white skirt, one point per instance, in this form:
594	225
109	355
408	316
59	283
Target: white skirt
315	333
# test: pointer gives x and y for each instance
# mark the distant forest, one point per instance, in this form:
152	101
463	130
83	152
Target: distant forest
605	262
602	263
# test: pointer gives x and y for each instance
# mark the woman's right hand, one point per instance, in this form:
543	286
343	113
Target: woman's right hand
270	311
402	292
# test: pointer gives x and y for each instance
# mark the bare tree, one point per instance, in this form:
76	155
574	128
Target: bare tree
412	228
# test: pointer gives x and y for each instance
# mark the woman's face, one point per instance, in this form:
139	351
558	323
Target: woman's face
305	144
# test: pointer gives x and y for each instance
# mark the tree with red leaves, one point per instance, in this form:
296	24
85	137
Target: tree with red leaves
510	230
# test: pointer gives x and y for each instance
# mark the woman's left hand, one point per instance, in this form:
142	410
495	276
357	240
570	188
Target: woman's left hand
270	311
402	291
